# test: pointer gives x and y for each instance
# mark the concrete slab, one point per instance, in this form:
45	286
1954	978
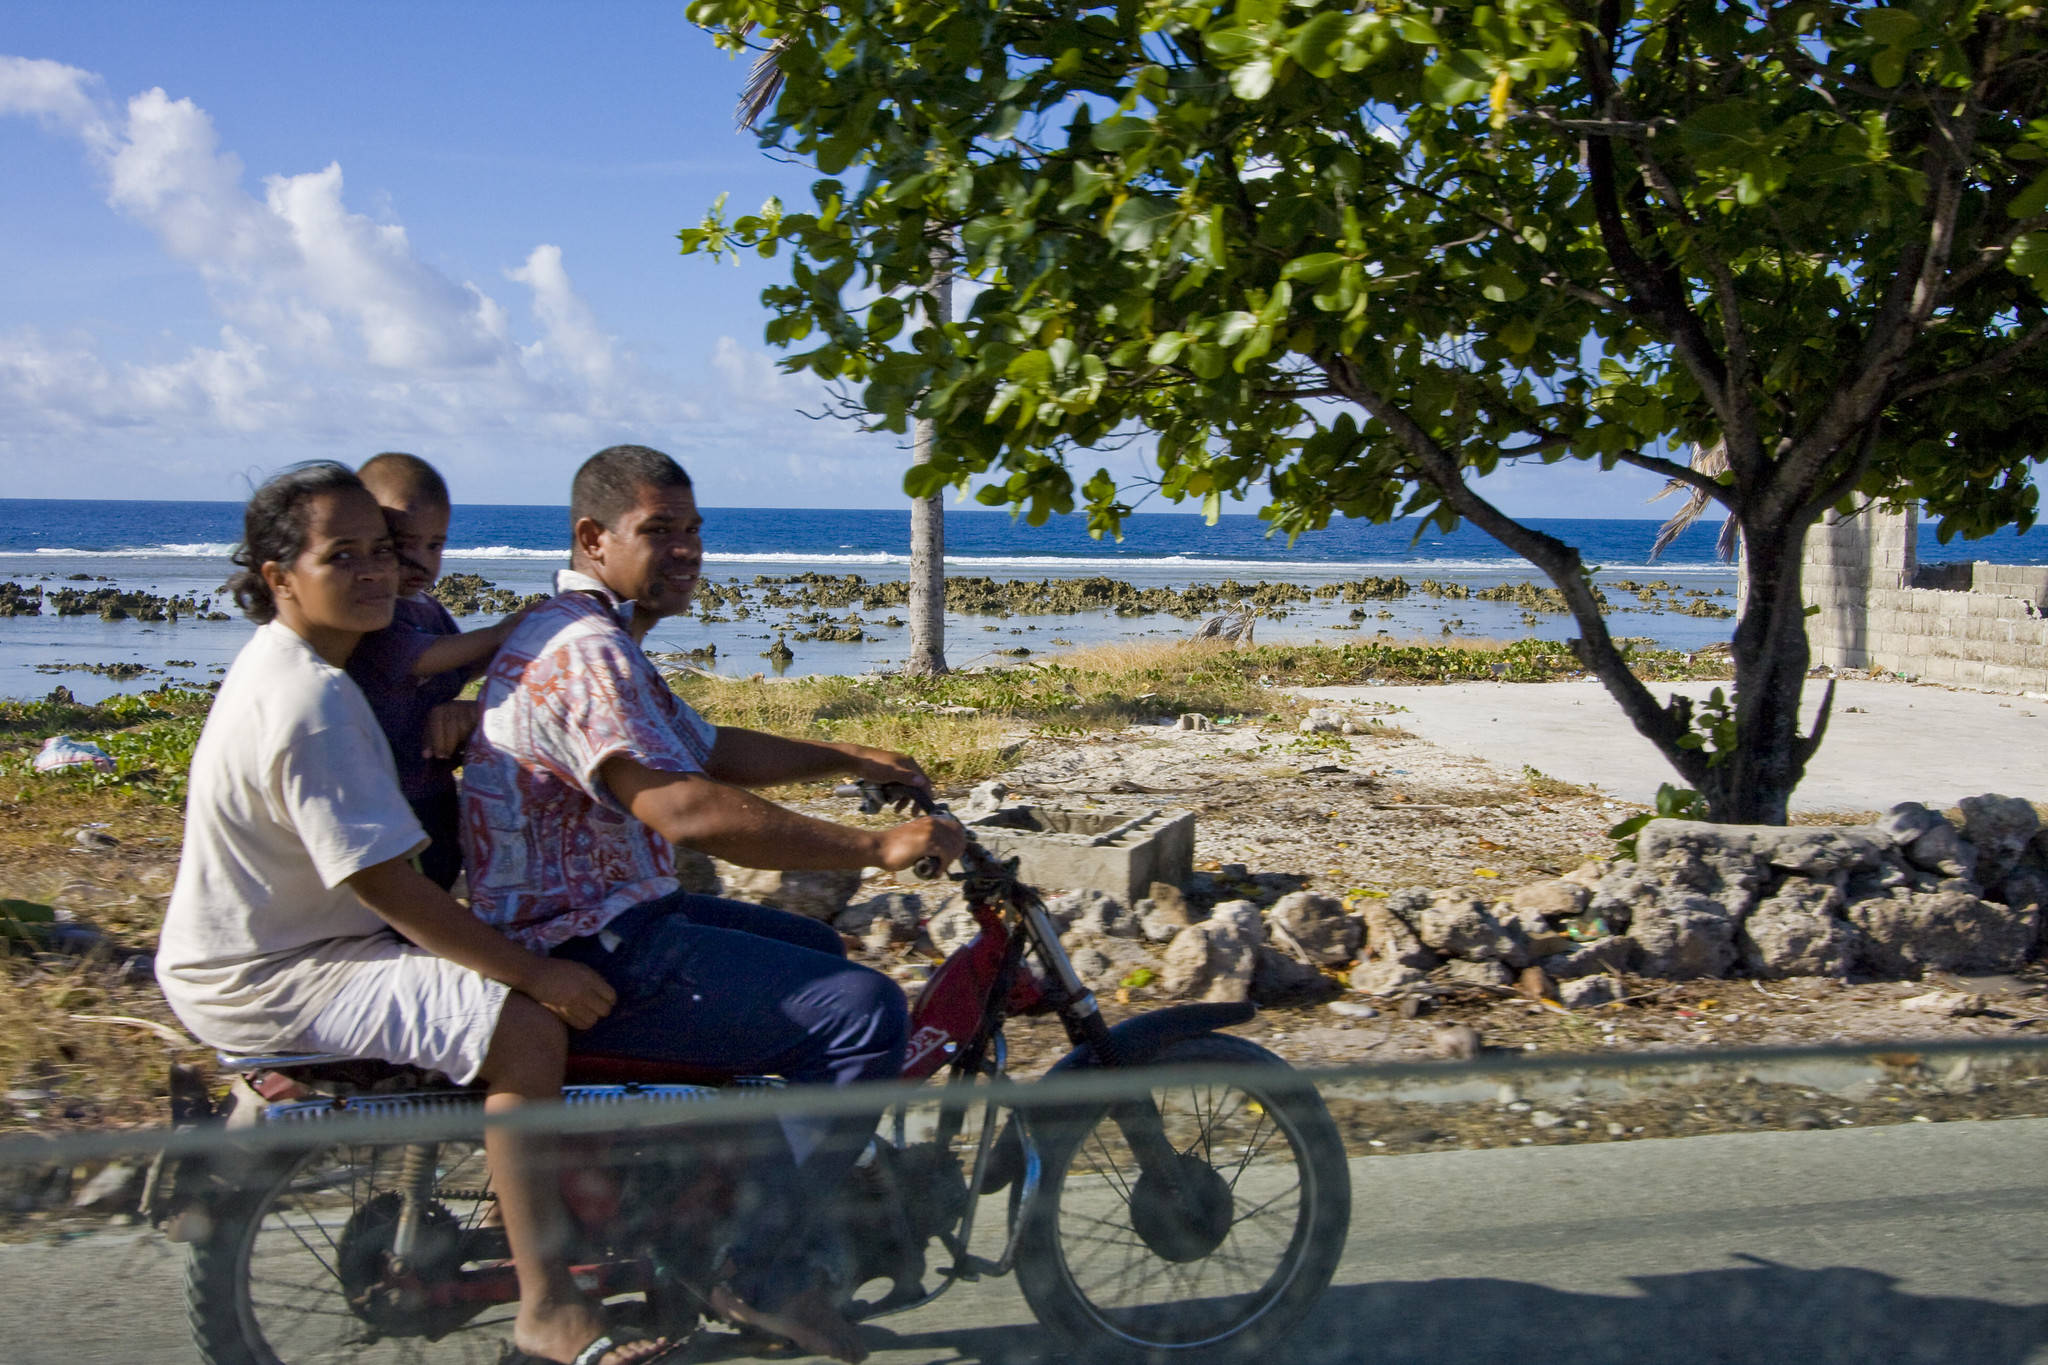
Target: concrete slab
1902	742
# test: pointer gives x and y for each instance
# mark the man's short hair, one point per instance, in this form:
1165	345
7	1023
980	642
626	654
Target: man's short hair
395	476
610	481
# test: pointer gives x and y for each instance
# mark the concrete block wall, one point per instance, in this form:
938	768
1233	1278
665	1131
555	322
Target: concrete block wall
1847	561
1975	625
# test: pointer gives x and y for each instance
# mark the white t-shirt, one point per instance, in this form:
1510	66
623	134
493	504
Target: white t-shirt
292	792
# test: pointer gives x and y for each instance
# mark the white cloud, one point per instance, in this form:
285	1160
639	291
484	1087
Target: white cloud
753	377
59	96
328	320
574	343
333	334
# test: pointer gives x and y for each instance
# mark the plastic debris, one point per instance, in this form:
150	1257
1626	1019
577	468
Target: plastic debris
62	751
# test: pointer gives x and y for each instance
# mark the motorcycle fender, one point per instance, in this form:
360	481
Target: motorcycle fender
1141	1038
1137	1041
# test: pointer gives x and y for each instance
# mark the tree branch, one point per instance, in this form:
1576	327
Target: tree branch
1655	288
1997	364
1559	561
1677	473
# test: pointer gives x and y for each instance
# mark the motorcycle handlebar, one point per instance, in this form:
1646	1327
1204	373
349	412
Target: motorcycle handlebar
878	796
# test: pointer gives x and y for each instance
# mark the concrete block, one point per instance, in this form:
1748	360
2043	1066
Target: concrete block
1935	668
1995	607
2001	676
1119	851
1969	673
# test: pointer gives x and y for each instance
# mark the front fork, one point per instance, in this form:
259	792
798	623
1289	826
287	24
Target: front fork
1137	1119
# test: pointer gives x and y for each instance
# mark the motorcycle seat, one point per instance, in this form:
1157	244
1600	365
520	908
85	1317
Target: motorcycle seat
583	1069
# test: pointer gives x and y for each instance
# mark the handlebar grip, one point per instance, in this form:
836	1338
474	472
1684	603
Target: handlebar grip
926	868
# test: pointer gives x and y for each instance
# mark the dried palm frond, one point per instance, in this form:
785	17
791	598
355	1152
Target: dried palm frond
1234	626
764	83
1713	462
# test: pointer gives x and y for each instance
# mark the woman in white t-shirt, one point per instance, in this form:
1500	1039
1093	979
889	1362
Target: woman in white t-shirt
297	870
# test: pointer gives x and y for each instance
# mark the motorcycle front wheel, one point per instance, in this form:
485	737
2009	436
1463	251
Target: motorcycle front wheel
288	1270
1214	1260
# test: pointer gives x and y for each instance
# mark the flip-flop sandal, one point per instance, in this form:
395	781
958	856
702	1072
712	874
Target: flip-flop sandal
595	1352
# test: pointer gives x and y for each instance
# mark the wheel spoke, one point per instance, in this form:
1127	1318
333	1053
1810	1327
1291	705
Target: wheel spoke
1245	1216
274	1291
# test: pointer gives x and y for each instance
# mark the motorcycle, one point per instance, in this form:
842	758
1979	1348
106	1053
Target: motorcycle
1194	1221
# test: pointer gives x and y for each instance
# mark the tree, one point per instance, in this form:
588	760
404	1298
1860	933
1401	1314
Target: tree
927	599
1365	255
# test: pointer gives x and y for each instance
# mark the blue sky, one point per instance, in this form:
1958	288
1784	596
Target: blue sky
246	234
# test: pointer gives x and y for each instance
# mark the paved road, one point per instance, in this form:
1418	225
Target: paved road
1901	742
1882	1246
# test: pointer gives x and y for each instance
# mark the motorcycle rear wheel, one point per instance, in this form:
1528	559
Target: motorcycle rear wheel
1216	1262
269	1282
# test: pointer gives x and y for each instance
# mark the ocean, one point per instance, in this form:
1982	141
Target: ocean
177	549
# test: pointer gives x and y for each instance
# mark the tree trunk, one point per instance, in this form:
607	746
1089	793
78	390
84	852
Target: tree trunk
1753	784
928	522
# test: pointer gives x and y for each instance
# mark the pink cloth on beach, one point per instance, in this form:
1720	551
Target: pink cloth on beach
551	854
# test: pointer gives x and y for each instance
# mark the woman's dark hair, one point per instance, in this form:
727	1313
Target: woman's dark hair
274	529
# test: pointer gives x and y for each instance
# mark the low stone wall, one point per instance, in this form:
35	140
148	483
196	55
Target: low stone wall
1908	895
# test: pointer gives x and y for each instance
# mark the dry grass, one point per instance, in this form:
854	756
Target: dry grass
63	1071
952	748
1139	656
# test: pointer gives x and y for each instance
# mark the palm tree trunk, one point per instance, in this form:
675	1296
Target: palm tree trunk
928	520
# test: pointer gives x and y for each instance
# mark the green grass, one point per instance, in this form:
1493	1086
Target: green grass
149	735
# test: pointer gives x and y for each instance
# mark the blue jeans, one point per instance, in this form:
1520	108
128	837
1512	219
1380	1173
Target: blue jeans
737	987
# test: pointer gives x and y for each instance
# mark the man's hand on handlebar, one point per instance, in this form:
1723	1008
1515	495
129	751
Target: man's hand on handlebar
884	768
937	837
572	992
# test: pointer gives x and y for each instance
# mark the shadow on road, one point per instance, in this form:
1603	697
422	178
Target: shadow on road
1740	1316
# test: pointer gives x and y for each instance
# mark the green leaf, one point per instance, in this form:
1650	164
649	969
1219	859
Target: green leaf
1230	41
1090	183
2031	200
924	481
1029	366
1312	268
1233	328
1314	44
27	912
1166	349
2029	260
1888	67
1416	31
1134	224
1892	27
1120	134
1459	78
1503	285
1253	80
